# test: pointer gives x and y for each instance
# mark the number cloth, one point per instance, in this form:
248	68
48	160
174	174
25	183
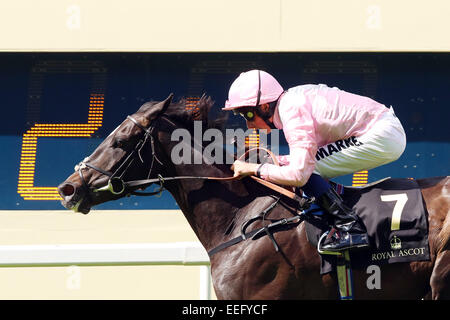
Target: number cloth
396	221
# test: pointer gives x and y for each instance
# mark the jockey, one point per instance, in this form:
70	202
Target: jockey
330	133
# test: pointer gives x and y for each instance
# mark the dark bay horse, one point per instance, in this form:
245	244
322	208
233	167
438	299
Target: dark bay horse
140	148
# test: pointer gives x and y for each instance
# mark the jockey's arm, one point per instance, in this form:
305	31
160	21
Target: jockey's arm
296	173
299	130
242	168
283	160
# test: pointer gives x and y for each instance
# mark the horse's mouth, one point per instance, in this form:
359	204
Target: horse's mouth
77	206
83	203
79	199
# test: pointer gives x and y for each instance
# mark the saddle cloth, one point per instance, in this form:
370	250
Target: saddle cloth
396	220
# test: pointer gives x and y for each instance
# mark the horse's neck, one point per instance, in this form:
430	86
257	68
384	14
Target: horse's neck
209	206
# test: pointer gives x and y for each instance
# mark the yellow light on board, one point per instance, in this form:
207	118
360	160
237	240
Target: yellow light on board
253	139
25	186
360	178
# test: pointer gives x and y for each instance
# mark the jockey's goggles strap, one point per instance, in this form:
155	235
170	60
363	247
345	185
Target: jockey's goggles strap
259	89
249	115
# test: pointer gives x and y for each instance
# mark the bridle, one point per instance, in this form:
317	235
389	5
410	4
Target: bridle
117	186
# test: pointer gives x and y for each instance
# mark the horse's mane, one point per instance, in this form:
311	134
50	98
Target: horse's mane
186	111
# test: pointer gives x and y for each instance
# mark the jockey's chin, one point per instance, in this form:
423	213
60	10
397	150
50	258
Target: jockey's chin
258	123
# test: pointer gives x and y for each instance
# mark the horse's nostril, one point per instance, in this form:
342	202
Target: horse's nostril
66	190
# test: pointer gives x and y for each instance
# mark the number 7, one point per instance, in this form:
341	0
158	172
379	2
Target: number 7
400	199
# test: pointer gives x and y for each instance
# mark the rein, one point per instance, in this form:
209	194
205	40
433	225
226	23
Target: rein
117	186
292	195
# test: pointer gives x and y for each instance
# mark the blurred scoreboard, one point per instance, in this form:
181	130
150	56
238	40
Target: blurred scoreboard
58	107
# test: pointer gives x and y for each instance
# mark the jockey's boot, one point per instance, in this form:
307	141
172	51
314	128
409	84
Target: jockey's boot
349	231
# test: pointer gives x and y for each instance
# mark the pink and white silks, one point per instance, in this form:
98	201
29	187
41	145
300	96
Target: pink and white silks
333	133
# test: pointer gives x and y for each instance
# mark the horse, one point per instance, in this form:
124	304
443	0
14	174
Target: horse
140	148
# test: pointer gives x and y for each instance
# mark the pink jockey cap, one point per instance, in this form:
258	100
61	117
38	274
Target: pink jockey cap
245	90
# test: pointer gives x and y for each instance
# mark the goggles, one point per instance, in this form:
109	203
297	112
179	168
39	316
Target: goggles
249	115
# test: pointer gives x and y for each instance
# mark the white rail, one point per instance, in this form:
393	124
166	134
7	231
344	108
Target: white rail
177	253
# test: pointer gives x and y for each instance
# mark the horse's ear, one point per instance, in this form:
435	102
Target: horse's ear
160	107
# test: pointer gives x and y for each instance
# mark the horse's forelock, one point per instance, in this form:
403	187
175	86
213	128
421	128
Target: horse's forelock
186	111
191	109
